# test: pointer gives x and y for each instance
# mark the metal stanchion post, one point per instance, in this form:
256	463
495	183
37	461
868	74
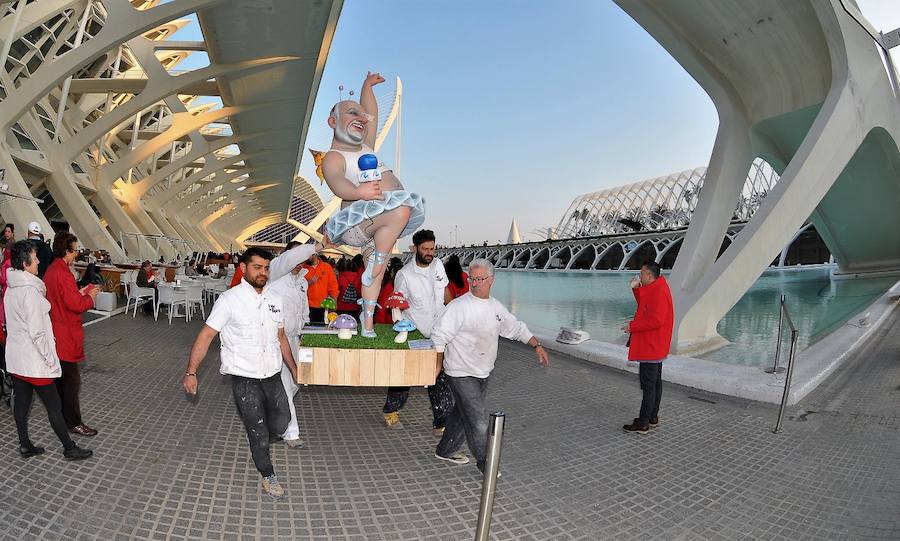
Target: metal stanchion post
787	382
778	369
491	470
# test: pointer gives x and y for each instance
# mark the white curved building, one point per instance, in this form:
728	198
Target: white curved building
107	137
619	228
661	203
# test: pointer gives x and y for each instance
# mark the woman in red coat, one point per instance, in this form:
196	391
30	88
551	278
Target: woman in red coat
67	303
7	241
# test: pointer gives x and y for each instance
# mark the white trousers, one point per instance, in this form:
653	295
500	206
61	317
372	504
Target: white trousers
290	387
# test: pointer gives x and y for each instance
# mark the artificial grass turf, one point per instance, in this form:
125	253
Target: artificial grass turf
385	340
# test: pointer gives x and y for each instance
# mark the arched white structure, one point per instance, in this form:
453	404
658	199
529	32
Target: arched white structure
666	202
141	156
829	123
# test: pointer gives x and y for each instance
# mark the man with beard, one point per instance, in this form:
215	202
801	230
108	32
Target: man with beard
250	318
423	285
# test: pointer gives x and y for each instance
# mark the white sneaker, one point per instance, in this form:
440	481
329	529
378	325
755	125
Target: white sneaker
296	443
272	487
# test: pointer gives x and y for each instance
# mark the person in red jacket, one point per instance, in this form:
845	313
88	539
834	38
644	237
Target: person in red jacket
7	241
349	287
650	336
236	279
67	303
382	314
457	279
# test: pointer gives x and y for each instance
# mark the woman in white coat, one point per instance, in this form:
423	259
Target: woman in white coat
31	351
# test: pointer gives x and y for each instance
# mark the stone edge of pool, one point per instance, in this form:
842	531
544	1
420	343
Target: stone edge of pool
745	381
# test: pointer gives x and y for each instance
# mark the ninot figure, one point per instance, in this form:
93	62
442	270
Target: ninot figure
376	210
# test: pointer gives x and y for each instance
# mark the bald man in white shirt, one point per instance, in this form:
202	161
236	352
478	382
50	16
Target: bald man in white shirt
466	337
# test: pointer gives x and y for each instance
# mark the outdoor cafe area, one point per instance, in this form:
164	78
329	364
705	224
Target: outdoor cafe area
175	296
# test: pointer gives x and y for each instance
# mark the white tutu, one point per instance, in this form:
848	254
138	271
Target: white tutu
342	226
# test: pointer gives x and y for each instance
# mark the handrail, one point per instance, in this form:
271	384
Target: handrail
784	314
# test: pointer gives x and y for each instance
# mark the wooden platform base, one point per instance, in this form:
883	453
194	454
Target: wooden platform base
366	367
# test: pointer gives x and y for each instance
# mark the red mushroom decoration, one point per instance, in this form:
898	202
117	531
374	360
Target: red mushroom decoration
396	302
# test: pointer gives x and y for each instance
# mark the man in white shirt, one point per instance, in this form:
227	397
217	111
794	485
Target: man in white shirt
250	319
466	338
422	282
292	288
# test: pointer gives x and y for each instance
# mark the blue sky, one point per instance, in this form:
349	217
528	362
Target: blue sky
512	108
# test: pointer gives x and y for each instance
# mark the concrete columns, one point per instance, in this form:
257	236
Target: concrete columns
19	212
118	220
830	113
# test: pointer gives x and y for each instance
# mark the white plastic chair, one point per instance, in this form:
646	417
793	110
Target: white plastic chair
171	298
127	278
135	292
194	297
208	286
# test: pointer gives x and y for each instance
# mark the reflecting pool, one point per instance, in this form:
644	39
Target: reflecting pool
601	303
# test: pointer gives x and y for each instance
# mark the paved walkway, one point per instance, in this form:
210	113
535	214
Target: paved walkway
167	468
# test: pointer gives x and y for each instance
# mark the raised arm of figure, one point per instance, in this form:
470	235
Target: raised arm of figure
368	102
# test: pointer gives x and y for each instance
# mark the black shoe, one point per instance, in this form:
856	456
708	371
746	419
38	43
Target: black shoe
635	427
77	453
30	451
654	422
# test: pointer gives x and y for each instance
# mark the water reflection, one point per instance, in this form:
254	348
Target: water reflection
601	303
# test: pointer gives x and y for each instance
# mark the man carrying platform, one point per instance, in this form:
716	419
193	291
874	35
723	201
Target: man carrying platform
465	338
293	290
422	282
250	319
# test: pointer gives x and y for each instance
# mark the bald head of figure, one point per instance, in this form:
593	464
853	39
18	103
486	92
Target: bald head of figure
350	122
